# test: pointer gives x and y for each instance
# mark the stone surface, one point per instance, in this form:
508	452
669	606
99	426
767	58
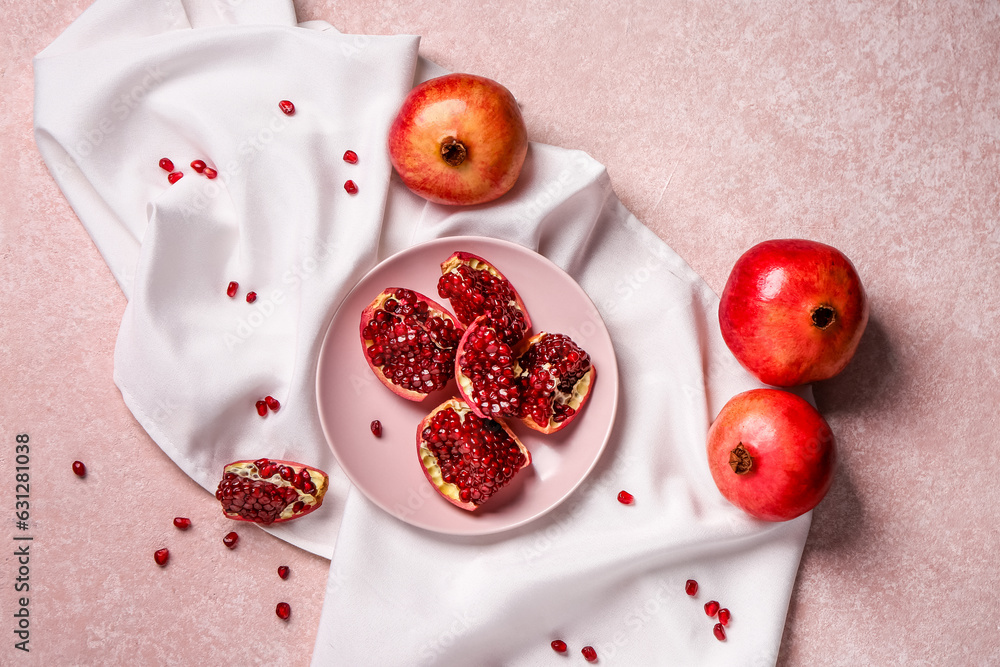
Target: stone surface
870	126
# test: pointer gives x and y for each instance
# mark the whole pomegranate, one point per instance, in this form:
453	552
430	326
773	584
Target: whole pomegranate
458	139
793	311
771	454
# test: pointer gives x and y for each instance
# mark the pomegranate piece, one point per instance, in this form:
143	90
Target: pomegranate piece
210	173
286	107
272	403
79	469
230	539
251	297
691	587
261	408
376	427
724	616
625	498
351	187
466	458
351	157
182	523
559	646
231	289
283	610
720	632
174	177
409	342
487	373
474	287
283	571
589	653
558	377
161	556
166	164
198	165
711	608
269	491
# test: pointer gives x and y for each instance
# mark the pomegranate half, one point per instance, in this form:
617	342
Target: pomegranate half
465	458
771	454
270	491
557	378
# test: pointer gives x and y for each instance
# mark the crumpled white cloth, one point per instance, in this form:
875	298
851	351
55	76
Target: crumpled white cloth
130	82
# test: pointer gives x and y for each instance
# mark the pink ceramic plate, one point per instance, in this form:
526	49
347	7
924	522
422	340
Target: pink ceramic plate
387	469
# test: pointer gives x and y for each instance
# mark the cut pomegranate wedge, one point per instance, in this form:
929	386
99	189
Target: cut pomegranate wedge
466	458
270	491
474	287
409	342
557	377
487	373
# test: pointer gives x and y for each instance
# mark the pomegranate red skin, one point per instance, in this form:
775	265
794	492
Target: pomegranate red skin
792	448
477	113
773	306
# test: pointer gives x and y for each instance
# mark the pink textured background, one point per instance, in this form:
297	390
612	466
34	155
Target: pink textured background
873	126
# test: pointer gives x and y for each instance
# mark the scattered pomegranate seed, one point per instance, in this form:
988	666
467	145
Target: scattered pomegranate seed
161	556
711	607
210	173
589	653
376	427
351	157
286	107
166	164
724	616
182	522
79	469
559	646
231	290
272	403
198	165
283	571
351	188
261	408
283	611
720	632
625	498
231	539
691	587
251	297
175	176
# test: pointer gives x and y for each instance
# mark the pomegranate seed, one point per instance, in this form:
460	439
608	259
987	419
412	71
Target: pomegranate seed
589	653
198	165
691	587
283	611
559	646
231	539
724	616
625	498
182	522
286	107
210	173
79	469
351	157
351	188
261	408
231	289
283	571
720	632
711	607
272	403
161	556
376	427
166	164
175	176
251	297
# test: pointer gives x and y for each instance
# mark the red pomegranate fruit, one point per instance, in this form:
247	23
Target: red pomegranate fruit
474	287
270	491
467	459
458	139
557	378
771	454
487	373
409	342
793	311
